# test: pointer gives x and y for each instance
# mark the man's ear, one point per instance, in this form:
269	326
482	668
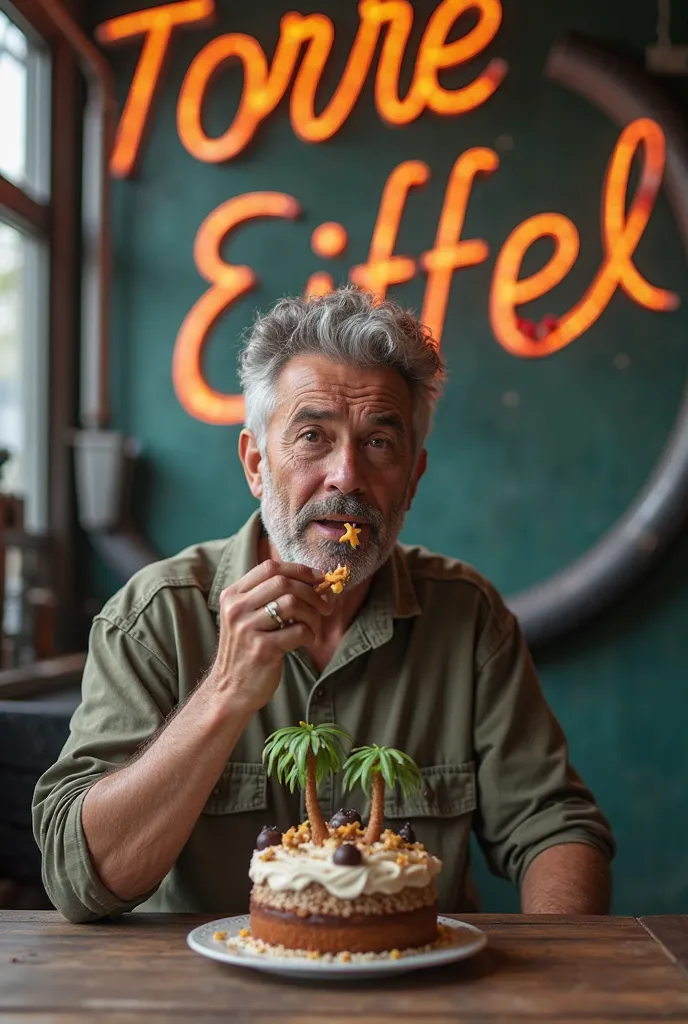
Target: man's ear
251	460
420	467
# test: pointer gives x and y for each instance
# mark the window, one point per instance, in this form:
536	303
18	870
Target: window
23	381
25	109
11	287
24	278
13	51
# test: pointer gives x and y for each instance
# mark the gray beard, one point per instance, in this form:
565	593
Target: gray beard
288	535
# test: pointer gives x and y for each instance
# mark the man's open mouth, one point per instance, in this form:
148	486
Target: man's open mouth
335	527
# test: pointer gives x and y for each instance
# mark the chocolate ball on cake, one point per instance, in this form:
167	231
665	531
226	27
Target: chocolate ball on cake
345	817
407	833
269	835
348	855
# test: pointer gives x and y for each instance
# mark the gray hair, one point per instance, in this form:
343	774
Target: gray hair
346	326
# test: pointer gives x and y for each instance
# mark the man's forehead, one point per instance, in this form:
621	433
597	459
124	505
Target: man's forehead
319	384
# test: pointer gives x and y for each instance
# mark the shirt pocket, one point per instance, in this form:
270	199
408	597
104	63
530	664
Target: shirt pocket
447	791
242	787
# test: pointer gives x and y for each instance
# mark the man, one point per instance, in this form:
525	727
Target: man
159	793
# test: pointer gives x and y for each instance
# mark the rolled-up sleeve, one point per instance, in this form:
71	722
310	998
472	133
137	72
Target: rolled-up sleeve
529	795
127	692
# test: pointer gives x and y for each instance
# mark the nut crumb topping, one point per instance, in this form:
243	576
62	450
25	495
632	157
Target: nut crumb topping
295	837
351	831
391	841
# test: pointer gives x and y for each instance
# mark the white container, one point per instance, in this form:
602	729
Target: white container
100	465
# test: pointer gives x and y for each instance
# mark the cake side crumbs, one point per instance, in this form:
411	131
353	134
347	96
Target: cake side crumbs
245	943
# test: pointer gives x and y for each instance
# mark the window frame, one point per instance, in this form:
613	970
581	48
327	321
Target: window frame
27	209
51	217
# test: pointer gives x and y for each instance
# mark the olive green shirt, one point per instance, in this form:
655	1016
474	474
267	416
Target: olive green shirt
433	663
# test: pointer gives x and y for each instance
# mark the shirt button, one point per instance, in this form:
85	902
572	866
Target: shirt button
216	791
429	793
320	693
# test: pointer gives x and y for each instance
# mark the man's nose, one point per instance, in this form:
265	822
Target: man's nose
344	470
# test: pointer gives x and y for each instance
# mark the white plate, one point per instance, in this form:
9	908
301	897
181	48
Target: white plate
470	941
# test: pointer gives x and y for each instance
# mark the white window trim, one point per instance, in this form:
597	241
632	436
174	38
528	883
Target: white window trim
39	115
34	386
35	365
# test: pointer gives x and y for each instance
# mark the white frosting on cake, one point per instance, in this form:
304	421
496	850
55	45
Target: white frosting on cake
295	869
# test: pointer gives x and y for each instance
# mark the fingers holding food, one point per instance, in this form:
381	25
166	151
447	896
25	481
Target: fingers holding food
269	570
269	611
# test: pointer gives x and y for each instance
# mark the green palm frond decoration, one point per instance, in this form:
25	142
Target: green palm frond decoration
303	755
374	768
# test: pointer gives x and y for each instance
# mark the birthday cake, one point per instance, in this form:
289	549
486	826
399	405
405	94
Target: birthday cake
345	894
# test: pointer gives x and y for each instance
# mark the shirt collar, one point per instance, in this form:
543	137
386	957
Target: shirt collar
392	594
391	597
240	555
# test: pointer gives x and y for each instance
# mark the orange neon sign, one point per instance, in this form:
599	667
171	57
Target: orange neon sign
266	84
621	233
329	241
157	25
229	282
449	254
383	268
299	62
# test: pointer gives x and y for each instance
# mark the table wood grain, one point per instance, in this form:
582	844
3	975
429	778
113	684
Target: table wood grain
535	968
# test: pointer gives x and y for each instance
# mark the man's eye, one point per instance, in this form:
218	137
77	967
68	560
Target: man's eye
379	442
311	435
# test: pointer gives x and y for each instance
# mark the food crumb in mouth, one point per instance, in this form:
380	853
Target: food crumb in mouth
351	535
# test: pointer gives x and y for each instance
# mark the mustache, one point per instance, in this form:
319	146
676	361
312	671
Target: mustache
352	508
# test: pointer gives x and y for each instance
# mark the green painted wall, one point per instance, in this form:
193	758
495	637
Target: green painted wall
517	489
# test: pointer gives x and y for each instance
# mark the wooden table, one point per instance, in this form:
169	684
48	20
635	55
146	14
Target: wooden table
543	969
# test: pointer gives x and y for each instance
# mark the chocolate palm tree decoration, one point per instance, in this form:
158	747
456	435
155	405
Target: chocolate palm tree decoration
304	754
374	768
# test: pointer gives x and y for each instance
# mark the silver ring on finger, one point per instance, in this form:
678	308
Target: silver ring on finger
271	610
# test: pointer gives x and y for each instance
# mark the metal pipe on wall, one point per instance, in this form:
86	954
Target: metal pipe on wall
623	556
